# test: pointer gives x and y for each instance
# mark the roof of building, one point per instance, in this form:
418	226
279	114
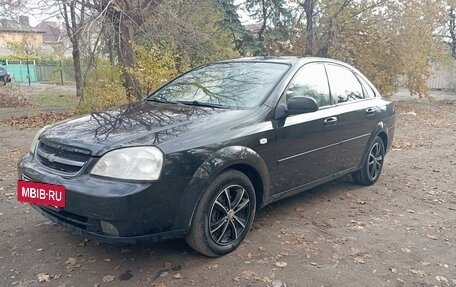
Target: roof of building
51	31
19	26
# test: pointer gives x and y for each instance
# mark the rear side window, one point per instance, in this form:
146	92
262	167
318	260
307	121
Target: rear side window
310	81
369	91
345	87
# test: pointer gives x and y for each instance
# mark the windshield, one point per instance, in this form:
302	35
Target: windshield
235	84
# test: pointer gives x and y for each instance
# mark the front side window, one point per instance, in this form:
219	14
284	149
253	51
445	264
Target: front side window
310	81
227	85
345	87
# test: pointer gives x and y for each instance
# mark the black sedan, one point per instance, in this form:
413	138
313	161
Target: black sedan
5	77
199	156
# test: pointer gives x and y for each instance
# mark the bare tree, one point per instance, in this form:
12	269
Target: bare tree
74	13
126	16
10	8
309	10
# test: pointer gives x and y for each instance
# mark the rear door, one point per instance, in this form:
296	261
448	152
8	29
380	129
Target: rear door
308	144
357	114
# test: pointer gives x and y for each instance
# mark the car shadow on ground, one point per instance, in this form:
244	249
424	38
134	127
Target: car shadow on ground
73	255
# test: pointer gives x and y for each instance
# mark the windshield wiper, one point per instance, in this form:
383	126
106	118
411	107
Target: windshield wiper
201	104
160	100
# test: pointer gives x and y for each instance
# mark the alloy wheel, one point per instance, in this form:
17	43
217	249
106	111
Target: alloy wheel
229	215
375	161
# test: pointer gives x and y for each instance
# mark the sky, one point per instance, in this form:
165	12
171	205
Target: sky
38	10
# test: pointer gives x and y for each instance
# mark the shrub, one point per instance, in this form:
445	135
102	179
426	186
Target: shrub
102	89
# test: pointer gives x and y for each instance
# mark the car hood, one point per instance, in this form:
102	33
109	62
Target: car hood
137	124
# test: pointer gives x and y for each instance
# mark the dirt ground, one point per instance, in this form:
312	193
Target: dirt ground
399	232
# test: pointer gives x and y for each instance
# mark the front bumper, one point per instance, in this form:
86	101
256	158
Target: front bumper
138	211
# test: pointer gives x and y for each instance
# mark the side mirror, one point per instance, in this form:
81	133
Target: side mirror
301	105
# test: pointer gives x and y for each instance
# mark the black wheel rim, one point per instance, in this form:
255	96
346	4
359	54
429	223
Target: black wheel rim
229	215
375	161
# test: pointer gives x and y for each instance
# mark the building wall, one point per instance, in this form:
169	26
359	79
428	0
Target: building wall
31	40
443	77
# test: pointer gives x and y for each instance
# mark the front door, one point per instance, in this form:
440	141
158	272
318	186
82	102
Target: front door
308	144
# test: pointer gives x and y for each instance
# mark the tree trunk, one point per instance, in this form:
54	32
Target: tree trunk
123	31
77	69
73	28
264	22
453	31
309	10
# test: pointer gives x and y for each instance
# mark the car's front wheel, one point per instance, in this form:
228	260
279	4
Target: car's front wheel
373	164
224	214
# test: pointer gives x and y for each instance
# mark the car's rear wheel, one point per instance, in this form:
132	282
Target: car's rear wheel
373	164
224	214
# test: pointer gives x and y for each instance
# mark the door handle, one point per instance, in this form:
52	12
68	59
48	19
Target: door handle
330	121
370	111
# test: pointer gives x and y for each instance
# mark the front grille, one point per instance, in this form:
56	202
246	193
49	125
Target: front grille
61	158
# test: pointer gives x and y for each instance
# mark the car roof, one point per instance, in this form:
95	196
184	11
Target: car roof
290	60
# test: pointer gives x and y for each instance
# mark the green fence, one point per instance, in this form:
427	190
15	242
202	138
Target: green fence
30	71
22	71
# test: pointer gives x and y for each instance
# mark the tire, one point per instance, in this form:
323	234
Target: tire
373	164
223	215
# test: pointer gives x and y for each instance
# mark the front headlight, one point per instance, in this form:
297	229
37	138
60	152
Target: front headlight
135	163
36	138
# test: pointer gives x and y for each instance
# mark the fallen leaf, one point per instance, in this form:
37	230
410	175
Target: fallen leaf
359	260
43	277
71	261
278	283
433	237
281	264
406	250
441	279
84	242
214	266
420	273
108	278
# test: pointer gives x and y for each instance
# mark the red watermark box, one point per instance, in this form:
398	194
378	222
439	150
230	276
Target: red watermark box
41	193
